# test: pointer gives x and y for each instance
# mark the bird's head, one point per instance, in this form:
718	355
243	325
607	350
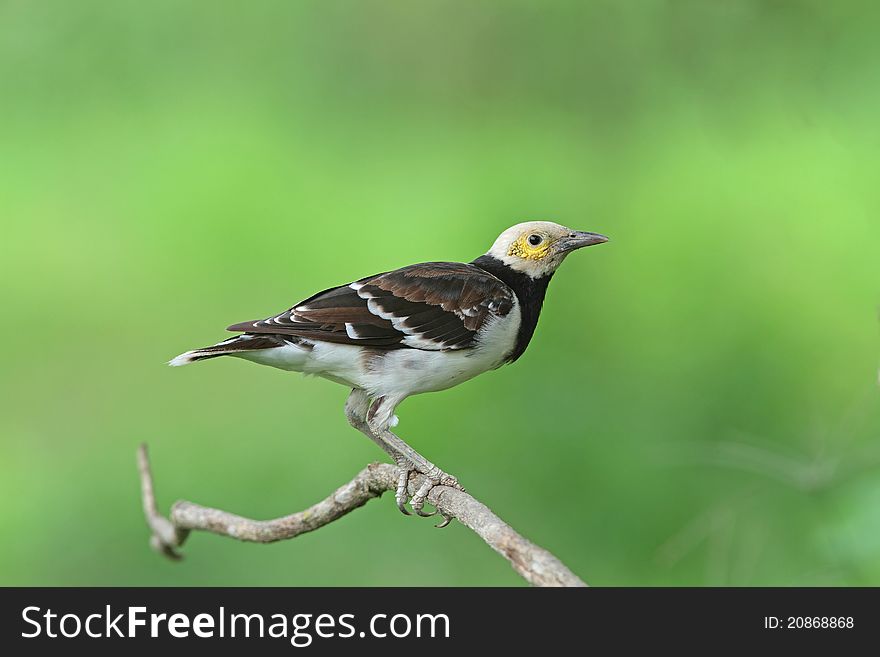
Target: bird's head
537	248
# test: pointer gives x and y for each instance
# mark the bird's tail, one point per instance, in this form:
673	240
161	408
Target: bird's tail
231	347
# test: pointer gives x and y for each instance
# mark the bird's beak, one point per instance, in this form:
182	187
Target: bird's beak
579	239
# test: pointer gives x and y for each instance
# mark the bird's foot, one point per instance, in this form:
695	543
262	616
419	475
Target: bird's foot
434	477
401	495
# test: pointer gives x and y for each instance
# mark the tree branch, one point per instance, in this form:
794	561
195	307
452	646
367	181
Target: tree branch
534	563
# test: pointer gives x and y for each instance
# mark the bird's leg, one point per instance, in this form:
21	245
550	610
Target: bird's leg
356	409
373	421
378	421
434	476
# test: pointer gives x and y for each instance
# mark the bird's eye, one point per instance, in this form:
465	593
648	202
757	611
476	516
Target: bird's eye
535	240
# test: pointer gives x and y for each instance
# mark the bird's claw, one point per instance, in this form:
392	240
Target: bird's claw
418	500
446	520
401	495
434	478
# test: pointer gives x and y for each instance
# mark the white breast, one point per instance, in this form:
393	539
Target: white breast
406	372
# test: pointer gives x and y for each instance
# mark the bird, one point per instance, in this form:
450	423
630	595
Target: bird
421	328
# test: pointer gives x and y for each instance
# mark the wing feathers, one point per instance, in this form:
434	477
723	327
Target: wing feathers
435	306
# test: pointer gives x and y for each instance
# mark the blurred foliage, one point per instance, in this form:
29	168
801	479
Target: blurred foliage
699	405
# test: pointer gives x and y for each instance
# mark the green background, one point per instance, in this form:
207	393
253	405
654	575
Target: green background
699	405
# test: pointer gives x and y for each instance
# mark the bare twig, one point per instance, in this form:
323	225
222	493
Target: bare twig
534	563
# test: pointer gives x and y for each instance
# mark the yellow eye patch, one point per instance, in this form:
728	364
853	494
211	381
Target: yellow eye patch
522	249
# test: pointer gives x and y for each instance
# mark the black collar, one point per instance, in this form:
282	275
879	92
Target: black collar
529	292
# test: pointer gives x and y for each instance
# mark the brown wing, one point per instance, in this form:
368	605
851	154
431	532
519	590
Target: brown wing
434	306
